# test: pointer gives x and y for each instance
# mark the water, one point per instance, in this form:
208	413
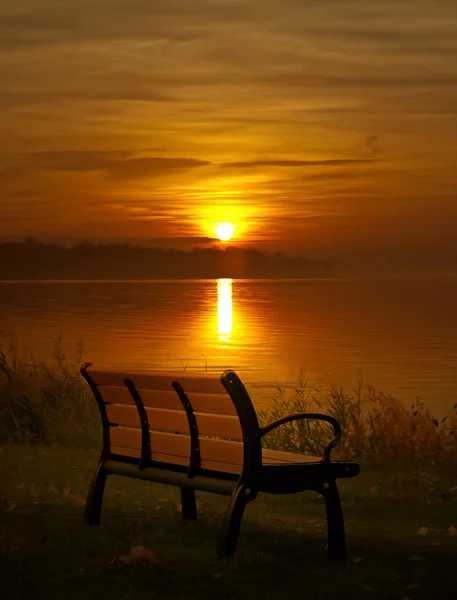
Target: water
401	335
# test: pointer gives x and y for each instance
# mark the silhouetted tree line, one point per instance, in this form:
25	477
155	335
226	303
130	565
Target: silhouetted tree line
32	259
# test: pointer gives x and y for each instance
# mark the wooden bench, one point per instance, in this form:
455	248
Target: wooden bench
200	432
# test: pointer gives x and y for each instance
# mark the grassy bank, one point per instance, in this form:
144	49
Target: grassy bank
48	403
401	543
400	512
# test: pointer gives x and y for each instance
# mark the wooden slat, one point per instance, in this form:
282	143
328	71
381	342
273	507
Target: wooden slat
215	404
210	465
179	445
167	420
208	383
173	420
125	451
116	395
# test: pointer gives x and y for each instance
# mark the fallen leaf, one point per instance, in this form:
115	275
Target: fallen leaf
80	501
118	492
149	557
358	559
415	557
422	531
136	551
452	530
159	507
179	508
138	555
373	491
143	554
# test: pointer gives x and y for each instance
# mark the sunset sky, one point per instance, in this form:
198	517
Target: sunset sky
325	127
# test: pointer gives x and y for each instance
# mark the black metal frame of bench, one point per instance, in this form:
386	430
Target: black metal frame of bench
255	477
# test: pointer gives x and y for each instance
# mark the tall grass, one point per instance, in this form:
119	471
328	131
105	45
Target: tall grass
374	425
45	403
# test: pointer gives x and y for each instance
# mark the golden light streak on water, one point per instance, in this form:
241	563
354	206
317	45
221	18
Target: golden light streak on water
224	308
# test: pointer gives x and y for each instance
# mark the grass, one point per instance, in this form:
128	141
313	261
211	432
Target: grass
46	403
393	514
375	426
400	512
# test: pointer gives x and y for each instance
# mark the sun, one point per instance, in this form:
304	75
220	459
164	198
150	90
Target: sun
224	231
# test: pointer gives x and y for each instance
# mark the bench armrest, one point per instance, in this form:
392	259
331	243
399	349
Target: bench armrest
316	416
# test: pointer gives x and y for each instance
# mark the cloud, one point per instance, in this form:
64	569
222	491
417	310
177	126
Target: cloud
73	160
332	162
112	93
139	168
119	164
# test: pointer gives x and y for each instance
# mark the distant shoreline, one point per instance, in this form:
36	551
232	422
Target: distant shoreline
353	279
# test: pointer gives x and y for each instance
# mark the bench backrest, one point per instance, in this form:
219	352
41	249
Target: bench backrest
220	407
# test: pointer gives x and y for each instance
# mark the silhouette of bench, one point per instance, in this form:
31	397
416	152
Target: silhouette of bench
200	432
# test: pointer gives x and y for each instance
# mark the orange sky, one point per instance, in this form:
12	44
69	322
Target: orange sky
325	127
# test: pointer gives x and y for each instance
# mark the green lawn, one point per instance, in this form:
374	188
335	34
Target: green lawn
47	551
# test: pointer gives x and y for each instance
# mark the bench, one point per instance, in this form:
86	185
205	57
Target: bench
200	432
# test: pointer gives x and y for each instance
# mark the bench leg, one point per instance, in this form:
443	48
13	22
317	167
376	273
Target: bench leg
336	549
95	497
232	524
189	504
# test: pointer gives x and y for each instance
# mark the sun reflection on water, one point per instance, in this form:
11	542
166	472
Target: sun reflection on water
224	308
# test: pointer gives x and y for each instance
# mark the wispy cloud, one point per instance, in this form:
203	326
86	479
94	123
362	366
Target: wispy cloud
138	168
331	162
119	164
72	160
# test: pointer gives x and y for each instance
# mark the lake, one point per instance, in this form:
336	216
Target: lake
402	335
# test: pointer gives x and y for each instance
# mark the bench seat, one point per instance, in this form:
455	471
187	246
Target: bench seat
201	433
